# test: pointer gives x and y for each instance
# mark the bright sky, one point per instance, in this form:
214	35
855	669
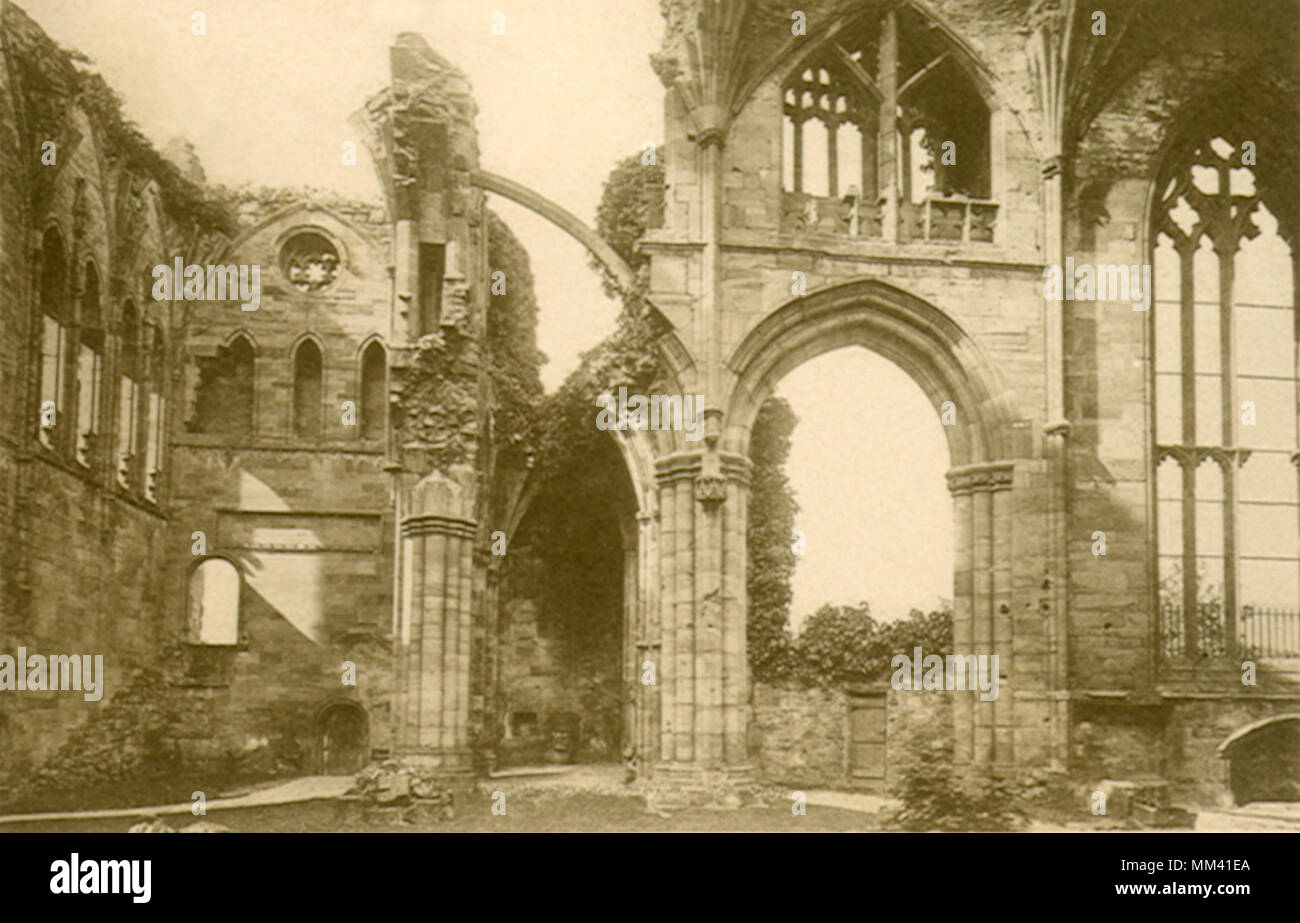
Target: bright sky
867	463
567	92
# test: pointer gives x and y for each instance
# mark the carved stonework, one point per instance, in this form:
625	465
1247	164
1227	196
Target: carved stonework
1194	456
998	476
455	303
310	262
709	489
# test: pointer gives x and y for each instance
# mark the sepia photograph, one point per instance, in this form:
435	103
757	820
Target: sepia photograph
649	417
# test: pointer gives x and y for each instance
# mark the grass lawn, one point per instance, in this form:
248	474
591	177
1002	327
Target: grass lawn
526	813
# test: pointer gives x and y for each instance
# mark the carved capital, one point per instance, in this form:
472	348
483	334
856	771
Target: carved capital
710	489
971	478
711	136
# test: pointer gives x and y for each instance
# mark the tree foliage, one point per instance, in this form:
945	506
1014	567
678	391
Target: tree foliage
771	560
622	216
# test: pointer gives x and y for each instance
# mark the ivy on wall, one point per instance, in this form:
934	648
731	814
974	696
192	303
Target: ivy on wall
512	343
51	78
437	393
770	558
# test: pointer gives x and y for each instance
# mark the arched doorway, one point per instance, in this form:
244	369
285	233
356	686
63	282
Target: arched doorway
1264	760
344	738
950	369
568	597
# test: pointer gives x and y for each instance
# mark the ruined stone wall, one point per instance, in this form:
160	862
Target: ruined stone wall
1128	100
80	555
800	735
305	515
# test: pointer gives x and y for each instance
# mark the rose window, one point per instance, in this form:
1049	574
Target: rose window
310	262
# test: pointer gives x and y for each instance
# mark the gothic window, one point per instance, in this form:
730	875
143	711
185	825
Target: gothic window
128	395
433	270
214	602
156	412
1228	524
90	366
374	390
888	107
309	261
55	322
830	124
224	398
944	126
307	389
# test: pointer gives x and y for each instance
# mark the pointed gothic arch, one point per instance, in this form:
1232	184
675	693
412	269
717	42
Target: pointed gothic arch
917	336
949	367
1220	235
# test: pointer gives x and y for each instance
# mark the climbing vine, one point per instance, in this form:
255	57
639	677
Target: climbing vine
51	78
512	343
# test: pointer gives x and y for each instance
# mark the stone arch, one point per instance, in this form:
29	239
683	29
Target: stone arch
674	354
636	449
1264	759
308	363
302	338
245	334
921	339
793	52
54	274
343	737
224	568
561	218
948	366
1255	109
372	386
311	213
225	392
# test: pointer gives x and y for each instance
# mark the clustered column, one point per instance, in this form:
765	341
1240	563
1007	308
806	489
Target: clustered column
705	675
433	642
983	731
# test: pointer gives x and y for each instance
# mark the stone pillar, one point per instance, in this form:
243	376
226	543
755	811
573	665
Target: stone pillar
648	646
1003	635
432	647
630	664
705	676
887	143
982	606
1047	49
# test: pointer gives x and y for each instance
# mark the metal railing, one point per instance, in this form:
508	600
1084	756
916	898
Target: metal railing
1260	632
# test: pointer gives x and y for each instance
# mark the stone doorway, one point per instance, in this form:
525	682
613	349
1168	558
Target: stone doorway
1264	761
344	738
565	659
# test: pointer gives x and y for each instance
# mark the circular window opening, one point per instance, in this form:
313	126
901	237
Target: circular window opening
309	261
